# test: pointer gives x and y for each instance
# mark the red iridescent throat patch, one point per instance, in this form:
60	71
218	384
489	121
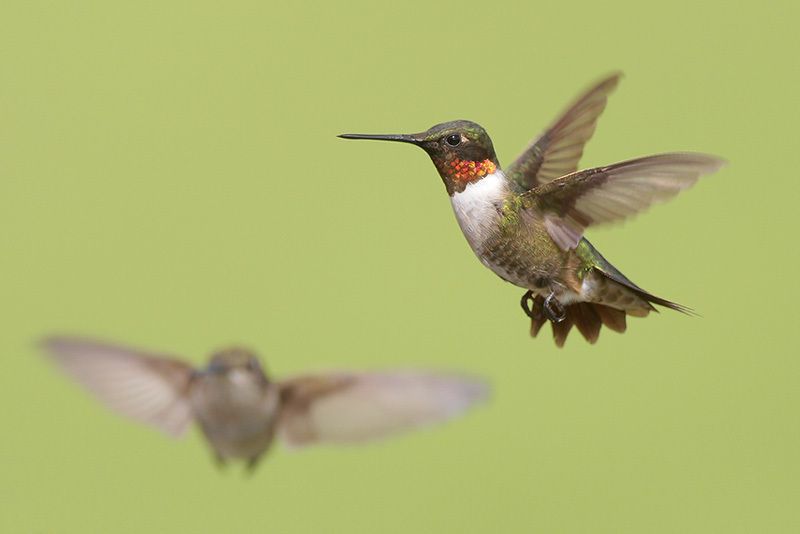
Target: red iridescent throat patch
468	171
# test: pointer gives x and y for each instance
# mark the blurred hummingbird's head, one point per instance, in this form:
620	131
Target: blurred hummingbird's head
461	150
236	362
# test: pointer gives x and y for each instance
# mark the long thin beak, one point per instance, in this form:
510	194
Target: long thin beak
399	138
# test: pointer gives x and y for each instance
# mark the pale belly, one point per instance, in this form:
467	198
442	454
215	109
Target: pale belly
522	255
238	424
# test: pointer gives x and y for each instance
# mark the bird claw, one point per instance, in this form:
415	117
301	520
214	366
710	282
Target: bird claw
528	303
553	309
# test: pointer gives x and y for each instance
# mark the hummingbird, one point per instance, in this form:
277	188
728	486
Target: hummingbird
526	222
241	410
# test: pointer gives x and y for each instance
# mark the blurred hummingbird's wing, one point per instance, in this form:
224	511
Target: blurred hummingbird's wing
355	407
557	151
614	192
148	388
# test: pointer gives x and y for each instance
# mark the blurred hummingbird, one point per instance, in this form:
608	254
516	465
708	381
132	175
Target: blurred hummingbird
240	410
526	222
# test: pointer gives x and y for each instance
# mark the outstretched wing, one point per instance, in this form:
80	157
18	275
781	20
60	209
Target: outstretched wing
148	388
615	192
557	151
354	407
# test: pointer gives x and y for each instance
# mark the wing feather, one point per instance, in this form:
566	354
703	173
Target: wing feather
559	149
353	407
606	194
148	388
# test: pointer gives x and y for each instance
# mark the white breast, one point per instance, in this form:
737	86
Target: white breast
476	206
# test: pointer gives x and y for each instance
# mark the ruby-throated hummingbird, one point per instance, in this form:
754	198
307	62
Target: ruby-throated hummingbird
240	409
526	222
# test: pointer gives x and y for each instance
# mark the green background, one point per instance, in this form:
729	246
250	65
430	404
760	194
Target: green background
170	178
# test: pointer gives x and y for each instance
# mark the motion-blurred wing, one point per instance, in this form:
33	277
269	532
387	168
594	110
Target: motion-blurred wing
557	151
148	388
615	192
350	407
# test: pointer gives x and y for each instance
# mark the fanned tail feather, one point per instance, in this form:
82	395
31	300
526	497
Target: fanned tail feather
587	317
590	317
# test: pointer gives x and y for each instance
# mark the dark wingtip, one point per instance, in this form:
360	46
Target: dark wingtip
612	77
649	297
686	310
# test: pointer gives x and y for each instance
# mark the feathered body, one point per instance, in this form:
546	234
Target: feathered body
237	410
513	241
526	223
241	411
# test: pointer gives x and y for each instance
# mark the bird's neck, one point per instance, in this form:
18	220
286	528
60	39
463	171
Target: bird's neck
458	173
479	199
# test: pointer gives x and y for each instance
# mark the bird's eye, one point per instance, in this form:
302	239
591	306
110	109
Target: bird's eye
453	140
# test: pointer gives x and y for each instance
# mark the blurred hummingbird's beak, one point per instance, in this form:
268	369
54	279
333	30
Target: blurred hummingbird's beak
399	138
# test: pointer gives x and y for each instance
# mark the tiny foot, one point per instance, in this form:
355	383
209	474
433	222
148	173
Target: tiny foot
553	309
528	303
